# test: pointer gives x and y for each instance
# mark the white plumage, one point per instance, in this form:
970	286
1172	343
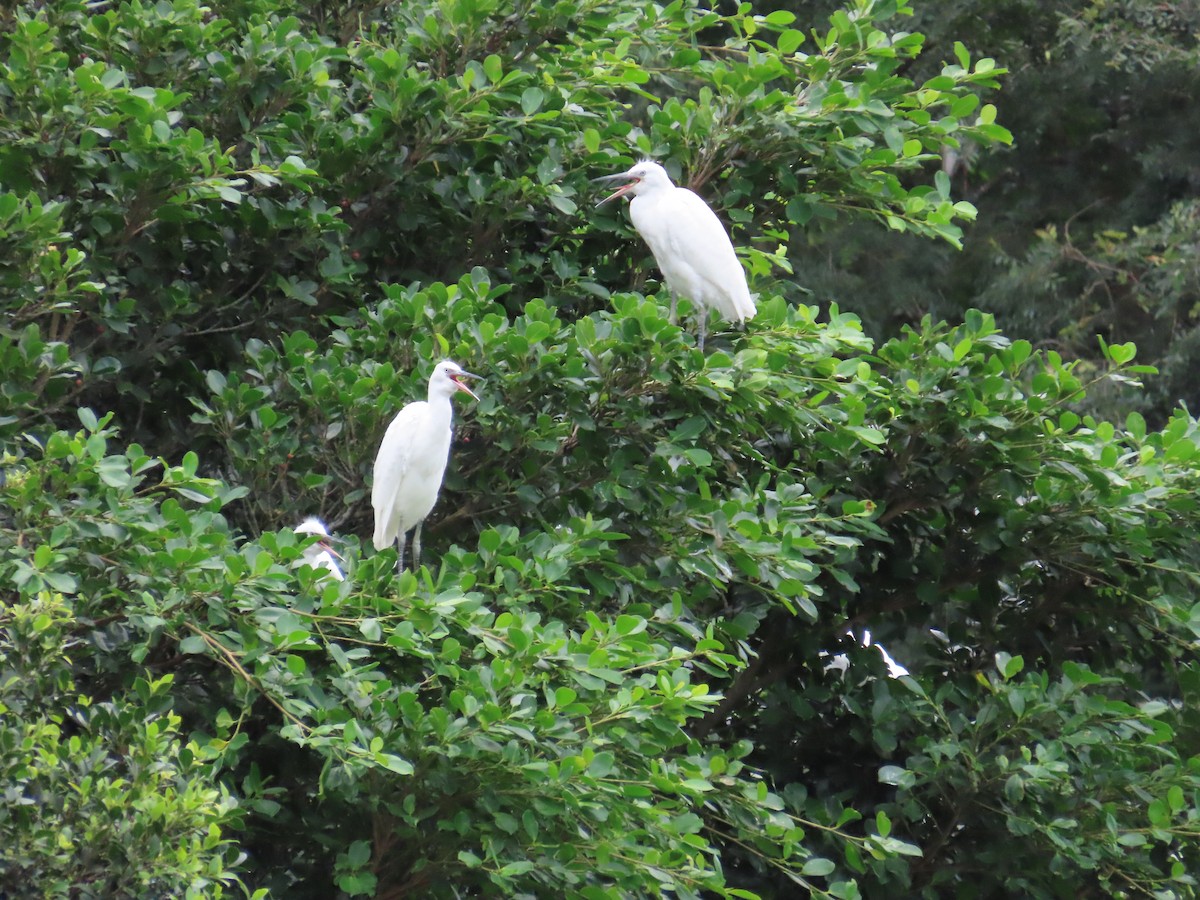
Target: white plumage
412	460
319	554
689	243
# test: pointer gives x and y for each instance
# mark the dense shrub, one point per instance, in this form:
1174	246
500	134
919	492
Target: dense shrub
235	242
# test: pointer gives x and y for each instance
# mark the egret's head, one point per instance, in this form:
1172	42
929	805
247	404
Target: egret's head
313	525
645	176
447	379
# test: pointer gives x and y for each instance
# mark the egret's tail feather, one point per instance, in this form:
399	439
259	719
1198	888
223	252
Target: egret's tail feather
385	530
745	308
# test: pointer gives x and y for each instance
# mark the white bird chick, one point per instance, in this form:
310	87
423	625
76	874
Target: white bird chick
691	247
412	460
319	554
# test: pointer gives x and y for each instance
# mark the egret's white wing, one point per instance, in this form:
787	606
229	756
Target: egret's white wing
713	257
391	463
694	252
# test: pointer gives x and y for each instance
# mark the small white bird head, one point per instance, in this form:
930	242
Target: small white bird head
313	525
446	380
320	554
643	177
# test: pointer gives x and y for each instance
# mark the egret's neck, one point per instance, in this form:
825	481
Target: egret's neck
652	187
441	410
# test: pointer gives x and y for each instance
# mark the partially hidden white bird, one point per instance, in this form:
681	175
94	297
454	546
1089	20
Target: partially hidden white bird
841	662
412	461
689	243
319	554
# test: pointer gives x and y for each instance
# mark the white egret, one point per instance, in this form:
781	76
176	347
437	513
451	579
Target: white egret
319	554
412	460
690	245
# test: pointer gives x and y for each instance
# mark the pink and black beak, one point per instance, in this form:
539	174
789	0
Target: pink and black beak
623	189
324	544
462	387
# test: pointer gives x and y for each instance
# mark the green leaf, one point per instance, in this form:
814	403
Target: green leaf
1122	353
1007	665
394	763
517	868
62	582
191	462
882	823
1159	814
193	644
358	884
630	625
1135	424
531	100
1080	674
817	866
114	471
789	41
1175	798
895	775
370	629
359	853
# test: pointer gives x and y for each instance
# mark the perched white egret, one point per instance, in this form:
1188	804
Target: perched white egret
412	460
690	245
319	554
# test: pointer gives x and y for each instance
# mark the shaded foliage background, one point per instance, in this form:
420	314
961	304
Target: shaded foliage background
1087	222
234	241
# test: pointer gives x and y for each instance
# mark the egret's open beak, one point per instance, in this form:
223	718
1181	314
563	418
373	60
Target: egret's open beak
622	190
328	548
462	387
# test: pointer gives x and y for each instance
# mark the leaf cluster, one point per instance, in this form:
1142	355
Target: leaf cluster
638	663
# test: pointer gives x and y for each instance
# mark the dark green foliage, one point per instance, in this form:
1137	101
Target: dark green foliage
234	242
227	177
1019	536
1087	223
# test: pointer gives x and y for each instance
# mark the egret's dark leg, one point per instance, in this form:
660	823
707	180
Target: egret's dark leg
703	328
417	546
400	554
674	300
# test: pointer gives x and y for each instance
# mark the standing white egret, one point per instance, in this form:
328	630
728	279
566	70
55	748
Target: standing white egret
319	554
412	460
689	243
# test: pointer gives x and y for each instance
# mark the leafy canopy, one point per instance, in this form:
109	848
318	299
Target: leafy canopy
235	243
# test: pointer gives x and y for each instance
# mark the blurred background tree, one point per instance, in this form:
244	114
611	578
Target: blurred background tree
1087	222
